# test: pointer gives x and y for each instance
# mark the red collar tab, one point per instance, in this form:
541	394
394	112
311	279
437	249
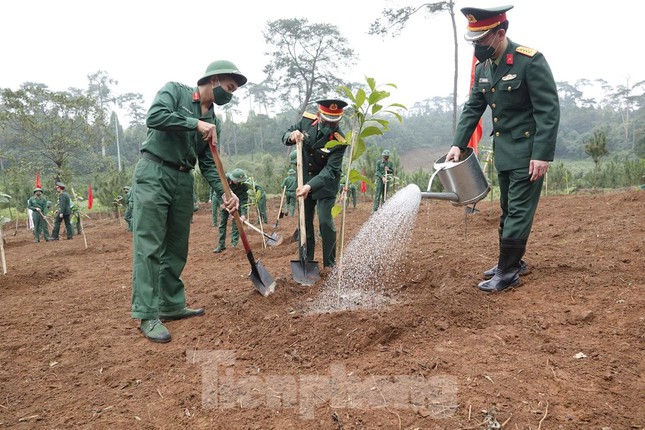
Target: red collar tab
509	59
195	96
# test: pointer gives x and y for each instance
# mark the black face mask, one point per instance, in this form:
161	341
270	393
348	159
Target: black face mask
484	52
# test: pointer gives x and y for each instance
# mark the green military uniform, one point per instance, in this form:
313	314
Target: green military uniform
236	181
261	200
384	169
38	206
519	88
351	189
63	214
321	171
76	218
162	198
290	184
216	202
127	215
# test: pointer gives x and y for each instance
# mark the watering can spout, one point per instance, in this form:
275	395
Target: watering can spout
453	197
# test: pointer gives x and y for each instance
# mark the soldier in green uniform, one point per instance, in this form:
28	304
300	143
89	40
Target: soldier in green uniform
127	215
289	184
76	218
517	83
181	122
38	205
64	212
321	171
350	189
216	202
260	197
383	174
237	181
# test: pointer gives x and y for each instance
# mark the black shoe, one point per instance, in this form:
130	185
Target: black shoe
219	249
53	238
524	269
500	282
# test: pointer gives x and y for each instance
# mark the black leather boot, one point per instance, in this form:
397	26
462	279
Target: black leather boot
524	268
508	269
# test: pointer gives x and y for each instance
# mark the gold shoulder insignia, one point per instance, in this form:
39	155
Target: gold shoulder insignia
338	137
309	115
529	52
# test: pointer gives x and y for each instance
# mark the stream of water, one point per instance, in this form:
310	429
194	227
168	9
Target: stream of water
369	262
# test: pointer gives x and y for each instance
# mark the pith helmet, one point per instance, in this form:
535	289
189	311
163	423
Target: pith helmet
293	157
223	67
386	153
60	185
38	189
291	172
238	175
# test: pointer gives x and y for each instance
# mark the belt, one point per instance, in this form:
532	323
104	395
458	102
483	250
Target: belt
156	159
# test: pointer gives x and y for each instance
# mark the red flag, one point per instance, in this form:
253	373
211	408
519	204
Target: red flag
363	185
90	197
38	183
477	134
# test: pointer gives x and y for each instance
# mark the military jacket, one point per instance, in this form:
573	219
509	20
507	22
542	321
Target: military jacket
524	103
241	190
172	131
291	183
35	202
64	204
380	168
321	166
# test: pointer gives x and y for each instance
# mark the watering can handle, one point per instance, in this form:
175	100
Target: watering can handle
432	177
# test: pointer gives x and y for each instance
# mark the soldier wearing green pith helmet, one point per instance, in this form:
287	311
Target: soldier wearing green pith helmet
383	175
38	205
289	184
181	122
517	84
237	182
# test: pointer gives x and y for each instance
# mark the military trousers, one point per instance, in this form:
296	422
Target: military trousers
518	201
40	225
161	213
68	226
291	202
223	222
327	229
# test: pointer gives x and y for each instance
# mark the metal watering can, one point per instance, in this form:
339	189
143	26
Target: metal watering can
464	181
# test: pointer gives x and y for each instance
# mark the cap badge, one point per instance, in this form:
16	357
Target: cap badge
333	106
471	18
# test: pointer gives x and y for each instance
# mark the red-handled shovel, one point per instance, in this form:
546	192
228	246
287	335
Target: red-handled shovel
262	280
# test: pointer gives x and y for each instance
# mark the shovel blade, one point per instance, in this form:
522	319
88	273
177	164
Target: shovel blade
261	279
305	272
274	240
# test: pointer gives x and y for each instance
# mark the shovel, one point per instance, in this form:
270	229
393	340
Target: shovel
280	214
272	240
304	271
262	280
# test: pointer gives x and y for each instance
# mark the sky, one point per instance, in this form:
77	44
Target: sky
143	44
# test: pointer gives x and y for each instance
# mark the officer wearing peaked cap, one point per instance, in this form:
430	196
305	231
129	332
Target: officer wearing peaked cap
321	171
517	84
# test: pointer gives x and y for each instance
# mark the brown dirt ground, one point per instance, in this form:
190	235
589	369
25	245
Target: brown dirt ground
442	356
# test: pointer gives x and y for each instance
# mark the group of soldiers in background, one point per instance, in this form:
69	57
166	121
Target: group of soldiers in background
66	212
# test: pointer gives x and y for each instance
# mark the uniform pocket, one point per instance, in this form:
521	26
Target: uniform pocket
523	141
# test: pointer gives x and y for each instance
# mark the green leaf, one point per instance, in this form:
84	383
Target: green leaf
371	82
359	148
5	200
376	108
360	98
334	143
336	210
371	131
